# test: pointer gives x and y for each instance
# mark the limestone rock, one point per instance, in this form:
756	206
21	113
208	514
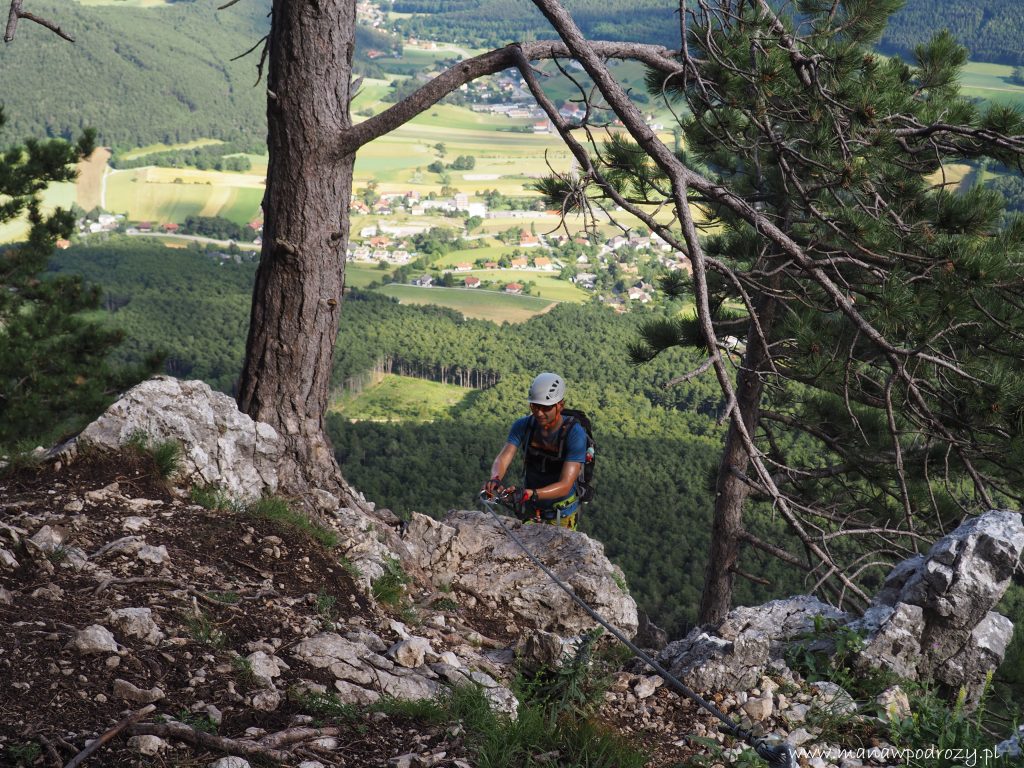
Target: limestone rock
48	539
136	622
737	654
222	445
95	639
129	692
894	702
537	650
759	708
469	551
147	745
154	555
7	560
267	700
265	667
410	653
933	617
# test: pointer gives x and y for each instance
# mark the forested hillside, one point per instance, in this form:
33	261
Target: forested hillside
657	448
992	30
493	23
141	75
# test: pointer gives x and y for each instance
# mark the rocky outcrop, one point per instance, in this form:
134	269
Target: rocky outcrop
470	552
222	446
738	653
933	618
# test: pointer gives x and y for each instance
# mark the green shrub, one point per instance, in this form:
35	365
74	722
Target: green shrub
389	587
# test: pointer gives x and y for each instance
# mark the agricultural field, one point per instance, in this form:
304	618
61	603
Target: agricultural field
400	398
60	195
547	285
361	275
992	83
506	160
472	302
172	194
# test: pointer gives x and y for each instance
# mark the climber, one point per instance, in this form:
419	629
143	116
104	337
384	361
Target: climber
555	449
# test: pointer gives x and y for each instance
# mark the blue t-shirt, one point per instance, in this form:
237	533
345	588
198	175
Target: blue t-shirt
575	450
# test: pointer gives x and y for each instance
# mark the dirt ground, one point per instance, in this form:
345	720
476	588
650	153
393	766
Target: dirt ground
227	579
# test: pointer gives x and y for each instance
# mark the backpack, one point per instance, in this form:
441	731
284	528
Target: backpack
570	416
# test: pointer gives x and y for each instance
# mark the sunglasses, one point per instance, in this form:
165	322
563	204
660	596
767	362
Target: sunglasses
544	408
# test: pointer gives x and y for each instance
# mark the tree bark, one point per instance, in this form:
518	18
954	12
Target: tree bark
731	490
299	283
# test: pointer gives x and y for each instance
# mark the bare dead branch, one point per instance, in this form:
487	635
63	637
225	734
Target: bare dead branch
17	12
488	64
190	735
108	735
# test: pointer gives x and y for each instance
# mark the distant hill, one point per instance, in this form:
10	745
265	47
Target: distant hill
139	75
993	30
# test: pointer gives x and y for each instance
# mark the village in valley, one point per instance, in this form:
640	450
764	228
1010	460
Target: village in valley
445	206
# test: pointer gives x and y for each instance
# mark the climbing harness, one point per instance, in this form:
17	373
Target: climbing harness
554	516
777	755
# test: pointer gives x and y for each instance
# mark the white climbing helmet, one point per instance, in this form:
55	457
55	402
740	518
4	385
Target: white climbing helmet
547	389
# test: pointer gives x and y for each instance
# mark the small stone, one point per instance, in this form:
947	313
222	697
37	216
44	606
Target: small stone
6	598
759	709
154	555
798	737
75	505
113	661
265	666
267	700
100	698
147	745
7	560
50	592
128	692
796	713
95	639
136	622
135	523
646	686
230	762
410	653
48	539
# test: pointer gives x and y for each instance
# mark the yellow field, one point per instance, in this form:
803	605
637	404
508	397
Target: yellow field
951	175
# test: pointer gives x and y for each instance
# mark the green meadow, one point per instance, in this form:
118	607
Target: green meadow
546	284
992	83
400	398
472	302
361	275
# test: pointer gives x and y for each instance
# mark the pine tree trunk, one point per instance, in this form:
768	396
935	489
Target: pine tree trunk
730	490
298	292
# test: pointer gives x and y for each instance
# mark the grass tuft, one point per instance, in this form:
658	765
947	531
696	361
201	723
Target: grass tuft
389	587
276	509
